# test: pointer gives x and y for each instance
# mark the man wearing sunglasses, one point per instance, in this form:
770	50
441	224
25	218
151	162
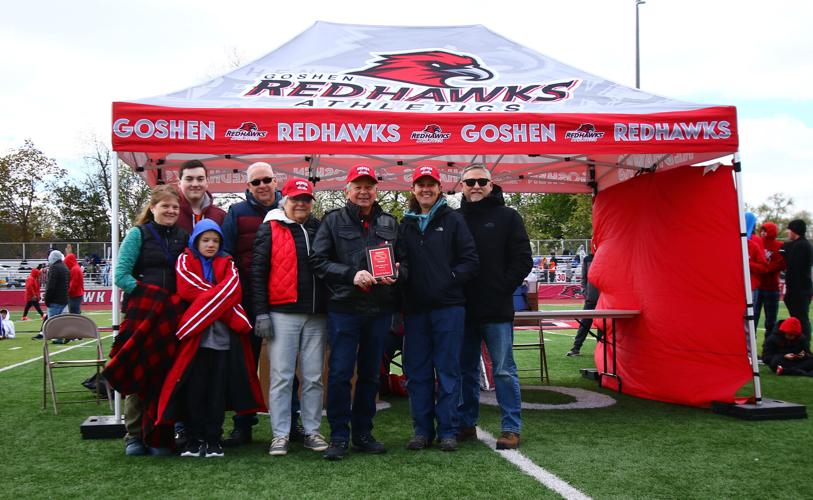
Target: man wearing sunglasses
505	259
196	201
239	231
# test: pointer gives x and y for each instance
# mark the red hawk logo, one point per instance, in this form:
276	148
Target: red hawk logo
586	127
248	126
432	129
428	68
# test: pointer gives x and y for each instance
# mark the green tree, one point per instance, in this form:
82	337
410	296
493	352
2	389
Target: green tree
27	177
83	214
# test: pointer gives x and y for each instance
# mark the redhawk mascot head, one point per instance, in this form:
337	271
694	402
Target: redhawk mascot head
430	68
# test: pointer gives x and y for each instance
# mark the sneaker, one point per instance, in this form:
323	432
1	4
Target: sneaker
336	451
24	318
418	443
239	436
134	447
508	441
279	446
214	449
368	444
37	336
315	442
448	444
194	448
467	432
572	352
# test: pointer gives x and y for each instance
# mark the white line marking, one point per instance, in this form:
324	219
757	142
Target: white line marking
14	348
52	354
548	479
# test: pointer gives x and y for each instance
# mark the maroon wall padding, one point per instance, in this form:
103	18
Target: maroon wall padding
669	245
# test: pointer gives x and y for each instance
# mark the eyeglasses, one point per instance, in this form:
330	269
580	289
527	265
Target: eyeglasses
471	182
264	180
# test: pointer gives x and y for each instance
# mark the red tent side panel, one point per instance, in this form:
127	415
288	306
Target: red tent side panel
668	244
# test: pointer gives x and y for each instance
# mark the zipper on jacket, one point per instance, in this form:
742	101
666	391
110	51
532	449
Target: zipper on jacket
313	278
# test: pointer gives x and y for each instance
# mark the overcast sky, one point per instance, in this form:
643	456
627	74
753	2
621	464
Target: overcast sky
63	63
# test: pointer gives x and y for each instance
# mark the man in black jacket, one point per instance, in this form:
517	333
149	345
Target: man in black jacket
56	289
798	254
360	309
505	259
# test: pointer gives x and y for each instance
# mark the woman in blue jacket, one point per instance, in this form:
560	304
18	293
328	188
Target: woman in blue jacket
437	258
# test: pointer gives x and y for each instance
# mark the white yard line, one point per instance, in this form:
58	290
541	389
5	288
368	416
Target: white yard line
549	480
83	344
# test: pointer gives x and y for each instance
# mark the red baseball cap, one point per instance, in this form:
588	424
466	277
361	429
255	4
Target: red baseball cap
361	171
295	187
425	171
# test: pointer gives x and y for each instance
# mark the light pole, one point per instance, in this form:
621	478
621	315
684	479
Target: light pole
637	46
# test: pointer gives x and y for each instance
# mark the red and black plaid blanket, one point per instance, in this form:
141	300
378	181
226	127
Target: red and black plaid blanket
144	351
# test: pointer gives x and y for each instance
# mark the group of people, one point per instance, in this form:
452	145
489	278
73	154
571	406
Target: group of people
64	289
786	348
204	288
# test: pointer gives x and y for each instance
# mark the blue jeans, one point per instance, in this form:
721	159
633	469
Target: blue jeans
354	337
56	309
499	338
432	345
75	305
769	299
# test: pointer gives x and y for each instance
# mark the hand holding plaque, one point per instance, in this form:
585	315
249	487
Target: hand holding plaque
381	261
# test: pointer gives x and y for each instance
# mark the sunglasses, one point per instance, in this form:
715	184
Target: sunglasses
264	180
471	182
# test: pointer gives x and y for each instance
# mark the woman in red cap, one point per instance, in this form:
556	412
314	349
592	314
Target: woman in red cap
784	352
438	257
289	302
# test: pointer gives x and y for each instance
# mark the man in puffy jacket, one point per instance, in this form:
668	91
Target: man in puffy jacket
360	309
56	289
76	286
505	259
239	231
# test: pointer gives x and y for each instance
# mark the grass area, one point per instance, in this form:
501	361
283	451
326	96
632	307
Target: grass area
634	449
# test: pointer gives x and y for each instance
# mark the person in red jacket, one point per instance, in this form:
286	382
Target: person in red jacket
767	295
756	254
32	294
76	285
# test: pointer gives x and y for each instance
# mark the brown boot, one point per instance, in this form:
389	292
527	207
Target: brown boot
465	433
508	441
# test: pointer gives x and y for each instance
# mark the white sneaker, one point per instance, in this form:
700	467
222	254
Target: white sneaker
279	446
316	442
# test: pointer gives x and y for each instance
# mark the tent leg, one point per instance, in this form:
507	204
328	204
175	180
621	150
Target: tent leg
749	298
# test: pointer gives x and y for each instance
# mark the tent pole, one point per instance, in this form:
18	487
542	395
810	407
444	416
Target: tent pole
749	297
114	258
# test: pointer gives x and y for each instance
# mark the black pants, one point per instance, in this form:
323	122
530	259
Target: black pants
32	303
799	307
206	394
584	326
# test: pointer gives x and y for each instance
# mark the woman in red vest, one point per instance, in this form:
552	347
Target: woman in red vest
290	307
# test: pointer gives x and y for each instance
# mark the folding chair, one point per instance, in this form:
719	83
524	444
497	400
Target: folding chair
69	326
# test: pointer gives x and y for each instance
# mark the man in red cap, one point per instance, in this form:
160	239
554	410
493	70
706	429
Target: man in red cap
784	351
360	309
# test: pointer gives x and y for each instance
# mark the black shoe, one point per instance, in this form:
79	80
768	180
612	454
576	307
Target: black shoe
194	448
37	336
336	451
368	444
297	434
418	443
448	444
213	449
238	437
572	352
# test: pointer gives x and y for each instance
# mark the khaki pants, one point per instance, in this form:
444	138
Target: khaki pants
133	409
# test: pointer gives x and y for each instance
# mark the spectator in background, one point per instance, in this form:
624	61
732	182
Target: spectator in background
56	289
32	294
552	263
591	295
76	287
196	202
757	264
785	352
767	295
798	253
6	325
106	273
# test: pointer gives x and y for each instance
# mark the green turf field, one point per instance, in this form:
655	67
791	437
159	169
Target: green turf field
633	449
